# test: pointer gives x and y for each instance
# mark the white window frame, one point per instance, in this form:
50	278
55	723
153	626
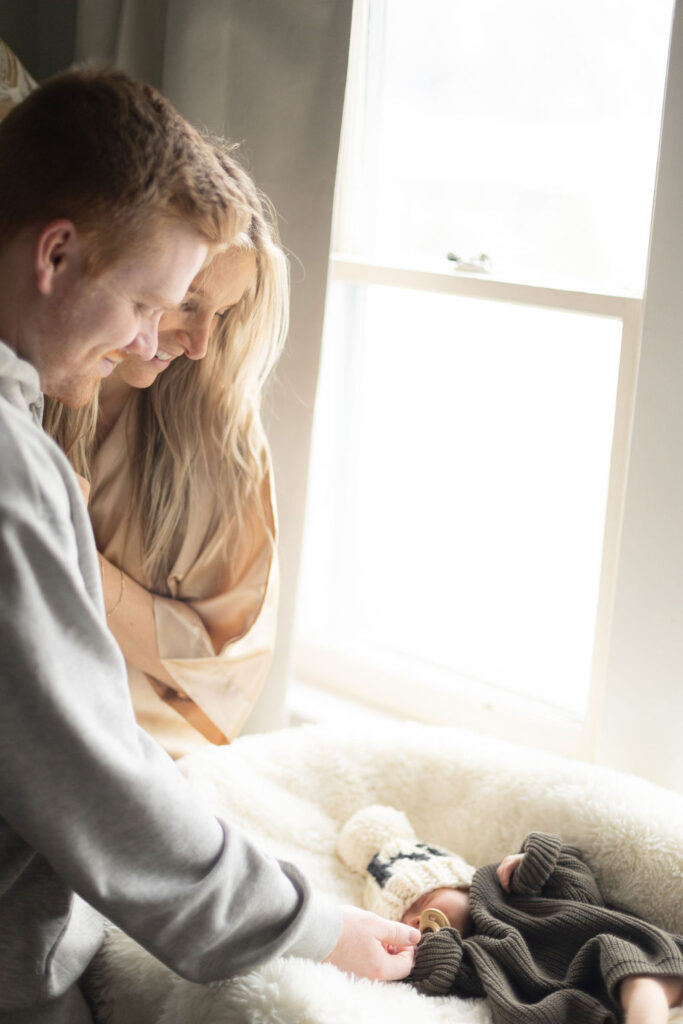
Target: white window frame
444	696
633	722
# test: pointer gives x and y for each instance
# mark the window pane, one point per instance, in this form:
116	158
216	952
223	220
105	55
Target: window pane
458	486
527	131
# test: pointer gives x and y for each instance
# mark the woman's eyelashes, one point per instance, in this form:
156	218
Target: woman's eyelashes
193	309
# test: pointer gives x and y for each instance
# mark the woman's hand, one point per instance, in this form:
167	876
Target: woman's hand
507	868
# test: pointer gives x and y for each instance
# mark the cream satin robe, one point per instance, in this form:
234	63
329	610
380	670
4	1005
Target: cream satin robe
215	635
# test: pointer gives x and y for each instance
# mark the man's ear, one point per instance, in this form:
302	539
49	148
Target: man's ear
57	248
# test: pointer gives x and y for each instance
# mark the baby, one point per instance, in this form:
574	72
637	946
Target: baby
532	934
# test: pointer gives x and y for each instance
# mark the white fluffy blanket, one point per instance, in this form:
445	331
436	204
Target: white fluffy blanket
293	790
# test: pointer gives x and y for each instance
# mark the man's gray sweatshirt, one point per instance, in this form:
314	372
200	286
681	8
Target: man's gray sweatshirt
95	819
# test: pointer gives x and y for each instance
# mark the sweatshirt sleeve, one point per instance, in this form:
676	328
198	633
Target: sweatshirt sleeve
551	869
93	794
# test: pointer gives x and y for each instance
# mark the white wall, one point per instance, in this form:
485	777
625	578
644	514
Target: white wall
641	720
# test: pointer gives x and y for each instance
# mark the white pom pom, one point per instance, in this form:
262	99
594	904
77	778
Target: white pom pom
366	832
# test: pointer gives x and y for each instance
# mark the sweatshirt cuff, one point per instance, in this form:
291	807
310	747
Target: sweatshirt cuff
540	858
321	931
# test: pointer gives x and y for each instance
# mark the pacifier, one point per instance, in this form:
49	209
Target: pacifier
432	920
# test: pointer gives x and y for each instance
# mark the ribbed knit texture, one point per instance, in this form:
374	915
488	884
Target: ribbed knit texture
548	952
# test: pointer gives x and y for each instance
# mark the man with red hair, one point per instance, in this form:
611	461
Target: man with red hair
110	205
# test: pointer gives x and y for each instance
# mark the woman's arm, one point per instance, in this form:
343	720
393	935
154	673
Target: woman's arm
206	647
130	616
130	612
206	657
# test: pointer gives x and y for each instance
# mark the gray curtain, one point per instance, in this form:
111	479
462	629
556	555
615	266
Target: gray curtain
270	74
42	33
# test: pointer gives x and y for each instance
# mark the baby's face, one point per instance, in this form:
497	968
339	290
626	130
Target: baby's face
454	903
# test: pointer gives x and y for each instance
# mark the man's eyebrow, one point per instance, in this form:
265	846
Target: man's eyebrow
155	300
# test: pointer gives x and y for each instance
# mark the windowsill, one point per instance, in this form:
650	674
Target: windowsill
308	704
333	687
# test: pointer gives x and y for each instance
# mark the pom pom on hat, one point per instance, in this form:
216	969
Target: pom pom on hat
380	842
367	831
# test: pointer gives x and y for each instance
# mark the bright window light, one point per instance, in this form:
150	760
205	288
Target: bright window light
527	131
458	486
470	443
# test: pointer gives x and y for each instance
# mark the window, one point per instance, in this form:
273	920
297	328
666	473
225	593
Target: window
473	413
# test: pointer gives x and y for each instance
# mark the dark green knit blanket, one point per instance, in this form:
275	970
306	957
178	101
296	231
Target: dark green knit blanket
548	952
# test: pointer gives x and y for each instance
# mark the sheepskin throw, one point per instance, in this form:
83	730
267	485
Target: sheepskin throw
293	790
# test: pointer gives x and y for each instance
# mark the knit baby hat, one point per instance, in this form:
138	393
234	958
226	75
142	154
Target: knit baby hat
380	841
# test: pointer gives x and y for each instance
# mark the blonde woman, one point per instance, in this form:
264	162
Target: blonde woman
181	494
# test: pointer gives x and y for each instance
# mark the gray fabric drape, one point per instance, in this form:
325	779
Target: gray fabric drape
41	33
270	74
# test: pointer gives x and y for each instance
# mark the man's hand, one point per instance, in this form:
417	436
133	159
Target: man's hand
506	869
371	947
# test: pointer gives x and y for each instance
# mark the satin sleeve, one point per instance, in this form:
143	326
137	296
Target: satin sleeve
214	630
218	649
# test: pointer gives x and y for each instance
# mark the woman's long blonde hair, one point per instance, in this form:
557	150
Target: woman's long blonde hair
201	419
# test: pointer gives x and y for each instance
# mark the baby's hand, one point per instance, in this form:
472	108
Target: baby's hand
506	869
